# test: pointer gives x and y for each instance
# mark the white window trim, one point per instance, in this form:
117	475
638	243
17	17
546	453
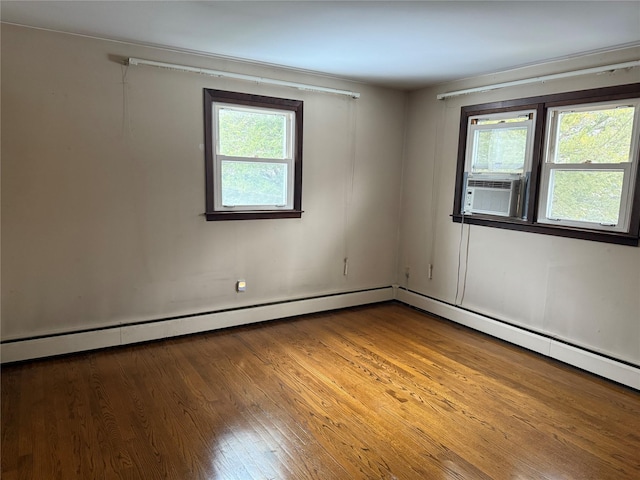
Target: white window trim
289	160
629	168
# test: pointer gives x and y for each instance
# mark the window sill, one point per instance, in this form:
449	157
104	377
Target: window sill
252	215
567	232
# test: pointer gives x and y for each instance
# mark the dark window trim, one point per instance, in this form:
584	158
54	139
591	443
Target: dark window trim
529	224
211	96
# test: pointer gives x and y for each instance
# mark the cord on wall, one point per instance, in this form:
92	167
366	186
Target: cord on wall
435	184
466	263
350	166
126	118
241	76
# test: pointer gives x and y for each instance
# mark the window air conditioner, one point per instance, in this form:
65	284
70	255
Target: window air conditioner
492	195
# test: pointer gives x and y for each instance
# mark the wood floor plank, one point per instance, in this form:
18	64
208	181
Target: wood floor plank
9	400
382	391
163	417
325	397
261	374
558	447
391	390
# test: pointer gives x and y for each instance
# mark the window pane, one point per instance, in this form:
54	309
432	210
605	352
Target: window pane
252	134
597	136
252	183
501	150
585	196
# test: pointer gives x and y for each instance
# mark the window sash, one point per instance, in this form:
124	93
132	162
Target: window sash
526	119
240	207
546	192
289	133
553	125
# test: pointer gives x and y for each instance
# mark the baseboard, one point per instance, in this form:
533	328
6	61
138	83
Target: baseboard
591	362
48	346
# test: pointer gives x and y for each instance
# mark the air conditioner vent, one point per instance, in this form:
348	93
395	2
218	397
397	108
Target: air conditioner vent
496	184
492	196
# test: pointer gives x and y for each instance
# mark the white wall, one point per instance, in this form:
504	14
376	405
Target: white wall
583	292
103	190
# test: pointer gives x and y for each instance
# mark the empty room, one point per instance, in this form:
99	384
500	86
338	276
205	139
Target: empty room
320	240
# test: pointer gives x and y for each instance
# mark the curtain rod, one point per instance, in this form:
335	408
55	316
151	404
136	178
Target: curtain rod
543	78
240	76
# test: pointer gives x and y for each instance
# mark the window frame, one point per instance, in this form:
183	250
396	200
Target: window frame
528	222
213	181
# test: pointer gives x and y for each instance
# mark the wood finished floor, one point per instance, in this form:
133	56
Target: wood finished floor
367	393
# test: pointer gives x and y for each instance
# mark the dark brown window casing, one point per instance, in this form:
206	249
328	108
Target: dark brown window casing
245	99
532	191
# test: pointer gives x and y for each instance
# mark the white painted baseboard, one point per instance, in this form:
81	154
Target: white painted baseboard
585	360
122	335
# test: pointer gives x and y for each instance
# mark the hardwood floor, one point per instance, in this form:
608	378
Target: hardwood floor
373	392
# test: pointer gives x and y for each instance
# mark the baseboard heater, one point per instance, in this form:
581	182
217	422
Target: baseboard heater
617	370
16	350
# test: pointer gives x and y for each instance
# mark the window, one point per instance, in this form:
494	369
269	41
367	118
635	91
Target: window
253	156
499	152
564	164
590	159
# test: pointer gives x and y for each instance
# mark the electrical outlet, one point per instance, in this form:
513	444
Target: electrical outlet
430	272
407	272
241	286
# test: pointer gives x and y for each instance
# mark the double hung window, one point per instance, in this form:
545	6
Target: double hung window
253	153
590	162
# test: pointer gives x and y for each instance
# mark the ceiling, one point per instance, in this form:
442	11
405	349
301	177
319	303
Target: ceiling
398	44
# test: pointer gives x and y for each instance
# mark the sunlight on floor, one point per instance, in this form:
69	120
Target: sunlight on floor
244	454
